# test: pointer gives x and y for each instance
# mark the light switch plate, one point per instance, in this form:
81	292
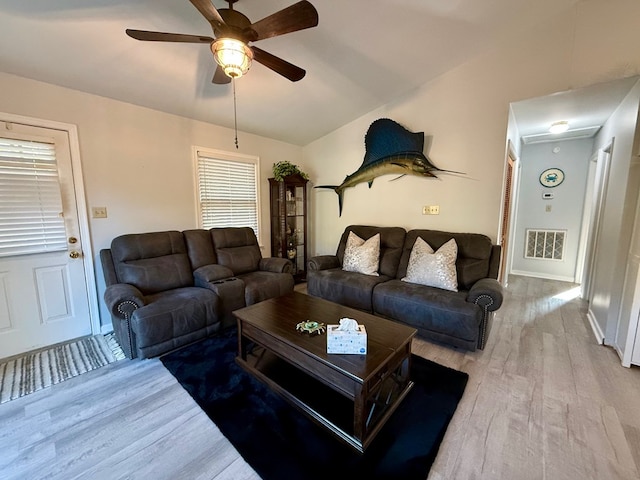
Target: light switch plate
99	212
431	210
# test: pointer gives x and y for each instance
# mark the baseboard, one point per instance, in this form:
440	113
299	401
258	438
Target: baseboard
560	278
597	331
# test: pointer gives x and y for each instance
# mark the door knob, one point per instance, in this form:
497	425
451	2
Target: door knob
74	254
73	240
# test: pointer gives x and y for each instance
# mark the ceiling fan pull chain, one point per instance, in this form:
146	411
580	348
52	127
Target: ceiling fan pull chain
235	112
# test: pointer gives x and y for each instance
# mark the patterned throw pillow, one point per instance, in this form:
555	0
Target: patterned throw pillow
433	269
361	256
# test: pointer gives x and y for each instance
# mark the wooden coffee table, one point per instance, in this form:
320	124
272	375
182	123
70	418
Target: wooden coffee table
350	395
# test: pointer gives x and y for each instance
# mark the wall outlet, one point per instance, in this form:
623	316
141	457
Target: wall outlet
431	210
99	212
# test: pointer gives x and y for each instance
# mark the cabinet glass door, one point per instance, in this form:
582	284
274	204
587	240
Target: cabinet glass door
288	222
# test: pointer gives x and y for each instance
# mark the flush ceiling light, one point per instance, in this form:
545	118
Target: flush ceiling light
232	55
559	127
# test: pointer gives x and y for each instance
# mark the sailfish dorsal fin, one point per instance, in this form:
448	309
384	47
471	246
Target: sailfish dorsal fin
386	137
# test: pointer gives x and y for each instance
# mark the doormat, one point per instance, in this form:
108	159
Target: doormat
280	442
36	370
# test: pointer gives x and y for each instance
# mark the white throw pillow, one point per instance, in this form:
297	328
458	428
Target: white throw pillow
361	256
433	269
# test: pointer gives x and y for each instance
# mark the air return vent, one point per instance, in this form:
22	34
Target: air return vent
545	244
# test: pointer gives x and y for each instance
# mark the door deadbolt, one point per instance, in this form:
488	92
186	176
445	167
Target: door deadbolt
73	240
74	254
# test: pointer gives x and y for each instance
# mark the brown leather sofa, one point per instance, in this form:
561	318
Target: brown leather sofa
168	289
457	318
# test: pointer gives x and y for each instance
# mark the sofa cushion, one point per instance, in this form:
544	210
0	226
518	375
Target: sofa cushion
391	244
474	253
362	256
433	269
237	249
259	286
429	310
152	262
351	289
200	247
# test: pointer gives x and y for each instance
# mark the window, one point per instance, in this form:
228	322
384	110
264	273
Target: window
227	189
31	218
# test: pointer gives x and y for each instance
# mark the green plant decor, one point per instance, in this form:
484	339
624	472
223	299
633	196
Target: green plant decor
284	169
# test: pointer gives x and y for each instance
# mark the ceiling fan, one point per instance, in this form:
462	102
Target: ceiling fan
233	32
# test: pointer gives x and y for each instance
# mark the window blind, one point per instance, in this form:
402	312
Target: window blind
227	193
31	218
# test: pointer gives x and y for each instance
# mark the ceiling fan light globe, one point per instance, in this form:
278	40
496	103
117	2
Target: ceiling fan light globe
234	56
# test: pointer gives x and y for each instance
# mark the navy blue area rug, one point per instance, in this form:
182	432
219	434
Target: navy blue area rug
279	442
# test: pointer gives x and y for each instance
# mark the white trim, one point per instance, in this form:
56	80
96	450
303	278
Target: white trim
515	203
583	241
546	276
597	331
81	205
231	156
634	314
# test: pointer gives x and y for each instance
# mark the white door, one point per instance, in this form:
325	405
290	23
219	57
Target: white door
43	290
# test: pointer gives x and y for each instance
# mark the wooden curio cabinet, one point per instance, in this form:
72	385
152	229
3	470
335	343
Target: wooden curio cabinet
289	222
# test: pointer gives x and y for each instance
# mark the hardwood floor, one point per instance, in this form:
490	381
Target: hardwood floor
543	401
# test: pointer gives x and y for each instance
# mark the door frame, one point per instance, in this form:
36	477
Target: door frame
585	257
508	211
603	164
81	205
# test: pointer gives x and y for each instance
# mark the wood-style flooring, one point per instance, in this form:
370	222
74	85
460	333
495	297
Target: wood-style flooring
544	401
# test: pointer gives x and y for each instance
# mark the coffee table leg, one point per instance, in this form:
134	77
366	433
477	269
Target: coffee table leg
242	343
359	414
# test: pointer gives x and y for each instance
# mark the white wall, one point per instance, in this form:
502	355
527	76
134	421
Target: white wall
618	217
145	177
566	206
466	111
137	162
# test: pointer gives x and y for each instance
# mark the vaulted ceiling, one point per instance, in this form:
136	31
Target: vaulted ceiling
363	54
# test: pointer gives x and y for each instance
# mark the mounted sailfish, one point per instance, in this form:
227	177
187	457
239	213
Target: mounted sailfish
389	149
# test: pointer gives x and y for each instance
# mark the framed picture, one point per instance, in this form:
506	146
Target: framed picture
552	177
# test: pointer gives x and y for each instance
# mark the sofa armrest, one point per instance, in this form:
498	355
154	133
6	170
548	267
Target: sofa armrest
210	273
123	299
487	293
323	262
276	265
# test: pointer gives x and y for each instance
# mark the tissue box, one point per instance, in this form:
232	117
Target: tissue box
339	341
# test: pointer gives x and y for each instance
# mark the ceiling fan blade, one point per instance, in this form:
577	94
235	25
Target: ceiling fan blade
219	77
208	11
166	37
284	68
298	16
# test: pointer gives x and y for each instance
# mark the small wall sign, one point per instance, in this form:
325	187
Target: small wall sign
552	177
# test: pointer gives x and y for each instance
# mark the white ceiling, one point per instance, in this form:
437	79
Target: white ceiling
363	54
586	110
